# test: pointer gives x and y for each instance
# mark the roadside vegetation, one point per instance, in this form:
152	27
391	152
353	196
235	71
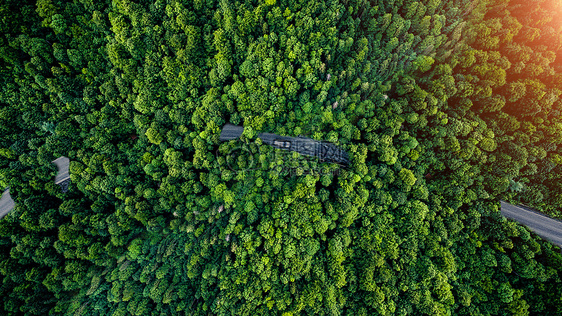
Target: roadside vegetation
445	107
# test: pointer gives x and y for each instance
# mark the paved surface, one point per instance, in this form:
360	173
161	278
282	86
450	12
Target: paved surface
230	132
305	146
63	175
6	203
62	178
544	226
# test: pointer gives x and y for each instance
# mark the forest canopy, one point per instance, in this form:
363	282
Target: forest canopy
445	107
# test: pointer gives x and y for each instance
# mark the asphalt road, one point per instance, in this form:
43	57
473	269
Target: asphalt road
230	132
544	226
6	203
62	163
303	145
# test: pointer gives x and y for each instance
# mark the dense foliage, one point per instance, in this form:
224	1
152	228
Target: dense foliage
445	106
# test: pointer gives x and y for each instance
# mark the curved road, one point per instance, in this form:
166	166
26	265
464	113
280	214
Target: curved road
6	203
542	225
62	163
325	151
62	179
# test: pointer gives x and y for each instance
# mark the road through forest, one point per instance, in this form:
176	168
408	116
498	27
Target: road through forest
544	226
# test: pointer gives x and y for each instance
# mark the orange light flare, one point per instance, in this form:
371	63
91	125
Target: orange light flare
555	6
548	18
